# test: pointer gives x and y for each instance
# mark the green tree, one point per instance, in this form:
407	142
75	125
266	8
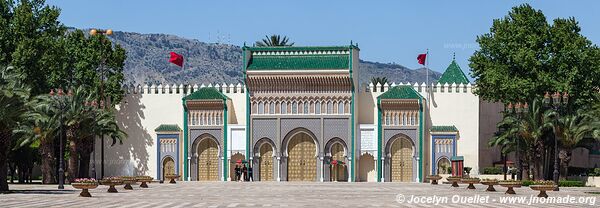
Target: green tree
523	56
28	36
525	133
274	40
47	55
40	131
380	80
14	95
85	119
581	129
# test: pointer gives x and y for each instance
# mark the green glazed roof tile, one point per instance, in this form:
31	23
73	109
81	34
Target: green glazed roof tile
400	92
453	74
299	57
206	93
167	128
288	62
457	158
301	48
443	129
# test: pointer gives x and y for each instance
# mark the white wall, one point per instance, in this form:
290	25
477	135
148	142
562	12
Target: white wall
142	110
460	109
140	113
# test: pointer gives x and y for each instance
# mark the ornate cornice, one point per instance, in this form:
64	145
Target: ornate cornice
299	83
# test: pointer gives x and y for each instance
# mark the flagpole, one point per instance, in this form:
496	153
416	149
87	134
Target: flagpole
428	93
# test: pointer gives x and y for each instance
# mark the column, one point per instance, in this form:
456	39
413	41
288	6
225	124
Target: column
189	178
350	168
222	169
418	170
322	168
278	168
382	169
251	163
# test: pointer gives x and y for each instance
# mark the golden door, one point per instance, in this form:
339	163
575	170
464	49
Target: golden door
338	172
266	162
168	167
208	162
401	160
301	158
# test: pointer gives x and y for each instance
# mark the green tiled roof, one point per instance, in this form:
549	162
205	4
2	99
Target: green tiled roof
443	129
400	92
167	127
455	158
300	48
206	93
290	62
299	57
453	74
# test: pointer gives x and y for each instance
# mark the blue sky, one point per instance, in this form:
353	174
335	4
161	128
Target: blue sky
386	31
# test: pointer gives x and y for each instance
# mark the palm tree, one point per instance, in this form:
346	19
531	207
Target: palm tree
534	128
102	122
76	115
581	129
525	133
40	131
14	95
274	40
85	120
380	80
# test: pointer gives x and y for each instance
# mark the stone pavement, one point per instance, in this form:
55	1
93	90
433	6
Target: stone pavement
289	194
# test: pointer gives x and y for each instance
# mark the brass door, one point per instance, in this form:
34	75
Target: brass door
401	160
266	162
338	172
168	167
208	161
301	161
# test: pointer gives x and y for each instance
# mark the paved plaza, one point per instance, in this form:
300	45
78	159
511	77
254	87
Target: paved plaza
286	194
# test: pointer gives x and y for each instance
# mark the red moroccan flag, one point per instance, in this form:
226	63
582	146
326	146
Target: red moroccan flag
176	59
422	58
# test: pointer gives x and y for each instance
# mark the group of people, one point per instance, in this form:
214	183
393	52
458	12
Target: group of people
243	173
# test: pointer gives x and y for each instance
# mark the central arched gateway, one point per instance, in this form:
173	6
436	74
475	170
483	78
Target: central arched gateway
208	160
301	158
402	164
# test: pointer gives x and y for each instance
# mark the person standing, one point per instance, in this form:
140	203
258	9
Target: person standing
245	172
237	173
250	178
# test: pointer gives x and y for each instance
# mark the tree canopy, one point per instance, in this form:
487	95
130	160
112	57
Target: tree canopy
52	55
274	40
523	56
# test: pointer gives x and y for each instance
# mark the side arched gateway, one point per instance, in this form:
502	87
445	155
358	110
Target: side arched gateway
336	168
168	167
401	160
207	158
266	162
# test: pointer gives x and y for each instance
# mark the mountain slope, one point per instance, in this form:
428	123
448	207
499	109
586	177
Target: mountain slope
148	55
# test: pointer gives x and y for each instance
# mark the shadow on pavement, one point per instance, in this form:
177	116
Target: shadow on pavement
40	191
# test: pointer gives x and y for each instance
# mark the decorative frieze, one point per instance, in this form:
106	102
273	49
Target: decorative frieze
300	53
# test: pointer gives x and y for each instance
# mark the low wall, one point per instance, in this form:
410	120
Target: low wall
593	181
498	177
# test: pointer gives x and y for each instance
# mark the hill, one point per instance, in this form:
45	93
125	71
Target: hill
147	56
